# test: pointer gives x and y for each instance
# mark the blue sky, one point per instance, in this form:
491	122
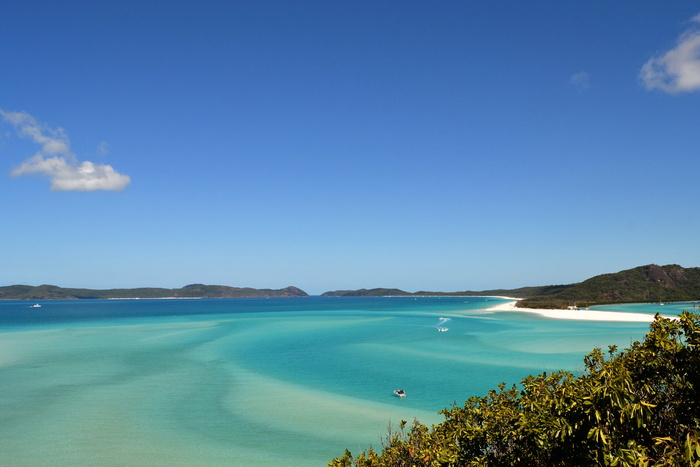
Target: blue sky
338	145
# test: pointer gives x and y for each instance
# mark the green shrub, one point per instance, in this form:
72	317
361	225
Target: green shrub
639	407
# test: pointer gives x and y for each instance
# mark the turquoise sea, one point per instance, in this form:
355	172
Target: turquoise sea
260	382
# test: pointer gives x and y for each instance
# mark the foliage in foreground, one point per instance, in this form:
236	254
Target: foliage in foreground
638	407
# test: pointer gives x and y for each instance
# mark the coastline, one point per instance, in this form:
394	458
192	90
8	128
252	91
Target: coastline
580	315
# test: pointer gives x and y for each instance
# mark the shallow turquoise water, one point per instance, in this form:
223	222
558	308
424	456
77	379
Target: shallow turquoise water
262	381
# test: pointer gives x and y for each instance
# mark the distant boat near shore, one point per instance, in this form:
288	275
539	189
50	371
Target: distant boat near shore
36	305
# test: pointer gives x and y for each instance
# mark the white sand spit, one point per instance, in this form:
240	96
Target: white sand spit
581	315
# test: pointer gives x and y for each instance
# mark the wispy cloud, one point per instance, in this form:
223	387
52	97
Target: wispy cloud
677	70
103	148
56	161
581	81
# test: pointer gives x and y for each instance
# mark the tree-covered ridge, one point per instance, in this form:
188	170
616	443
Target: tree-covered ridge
651	283
638	407
641	284
383	292
52	292
377	292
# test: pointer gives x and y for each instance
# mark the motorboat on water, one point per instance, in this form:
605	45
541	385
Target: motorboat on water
442	329
36	305
400	392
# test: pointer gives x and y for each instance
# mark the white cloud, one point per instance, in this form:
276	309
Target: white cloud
677	70
580	80
56	161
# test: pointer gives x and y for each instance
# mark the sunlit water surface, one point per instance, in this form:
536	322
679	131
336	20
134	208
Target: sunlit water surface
260	382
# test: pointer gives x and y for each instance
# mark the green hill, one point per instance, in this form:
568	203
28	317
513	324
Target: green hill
650	283
379	292
52	292
382	292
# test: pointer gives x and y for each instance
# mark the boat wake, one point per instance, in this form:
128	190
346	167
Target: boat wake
440	325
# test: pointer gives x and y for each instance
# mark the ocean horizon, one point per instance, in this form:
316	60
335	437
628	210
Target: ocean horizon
260	382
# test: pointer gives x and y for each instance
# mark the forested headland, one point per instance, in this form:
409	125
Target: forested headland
650	283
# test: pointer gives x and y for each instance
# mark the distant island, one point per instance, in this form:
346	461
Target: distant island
650	283
380	292
52	292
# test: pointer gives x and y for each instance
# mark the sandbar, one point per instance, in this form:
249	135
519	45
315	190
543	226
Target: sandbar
576	314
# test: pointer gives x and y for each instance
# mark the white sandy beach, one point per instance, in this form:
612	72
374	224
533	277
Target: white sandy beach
581	315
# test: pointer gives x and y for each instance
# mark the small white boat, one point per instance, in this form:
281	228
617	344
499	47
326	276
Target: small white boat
400	393
442	329
36	305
